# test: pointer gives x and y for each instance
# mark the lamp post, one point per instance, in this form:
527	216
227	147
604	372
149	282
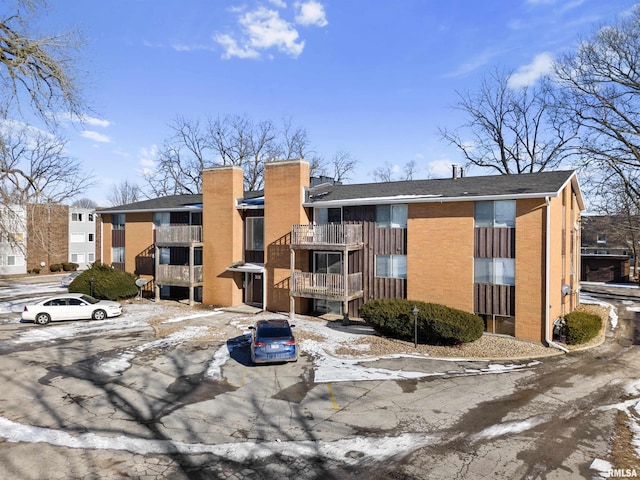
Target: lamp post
415	311
91	280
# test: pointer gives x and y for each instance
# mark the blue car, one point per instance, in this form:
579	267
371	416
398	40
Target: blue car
273	341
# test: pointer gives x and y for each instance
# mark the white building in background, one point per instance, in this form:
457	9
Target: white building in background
82	237
13	240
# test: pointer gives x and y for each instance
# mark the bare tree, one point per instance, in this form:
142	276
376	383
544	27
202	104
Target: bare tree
84	203
39	70
600	83
234	140
341	165
35	168
181	160
123	193
394	173
612	197
512	130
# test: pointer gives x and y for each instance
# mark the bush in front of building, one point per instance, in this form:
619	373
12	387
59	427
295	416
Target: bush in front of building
437	324
70	266
55	267
103	281
580	327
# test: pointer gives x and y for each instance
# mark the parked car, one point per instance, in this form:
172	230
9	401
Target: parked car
67	279
273	341
72	306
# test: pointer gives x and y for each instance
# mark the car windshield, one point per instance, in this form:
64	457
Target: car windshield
89	299
273	332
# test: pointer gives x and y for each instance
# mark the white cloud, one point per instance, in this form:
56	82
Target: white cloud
473	64
527	75
93	121
147	159
261	29
311	13
439	168
278	3
95	136
232	49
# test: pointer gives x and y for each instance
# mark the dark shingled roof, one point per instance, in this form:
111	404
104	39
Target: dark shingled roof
491	185
172	202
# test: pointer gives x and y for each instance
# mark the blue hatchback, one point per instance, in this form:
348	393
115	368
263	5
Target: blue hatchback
273	341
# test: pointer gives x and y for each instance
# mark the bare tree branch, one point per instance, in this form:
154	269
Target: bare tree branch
512	130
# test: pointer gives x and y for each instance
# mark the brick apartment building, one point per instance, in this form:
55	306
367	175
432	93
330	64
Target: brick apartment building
46	234
504	247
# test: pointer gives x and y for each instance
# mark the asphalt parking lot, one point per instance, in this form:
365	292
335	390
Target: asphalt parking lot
167	391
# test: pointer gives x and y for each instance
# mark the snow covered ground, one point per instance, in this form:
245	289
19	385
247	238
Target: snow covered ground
327	369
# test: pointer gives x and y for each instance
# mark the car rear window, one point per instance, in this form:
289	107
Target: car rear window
273	332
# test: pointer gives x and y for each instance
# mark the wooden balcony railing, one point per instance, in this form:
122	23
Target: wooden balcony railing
326	285
178	275
178	234
329	234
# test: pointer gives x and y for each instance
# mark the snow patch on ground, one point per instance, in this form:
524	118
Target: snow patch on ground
192	316
613	314
119	364
510	427
373	448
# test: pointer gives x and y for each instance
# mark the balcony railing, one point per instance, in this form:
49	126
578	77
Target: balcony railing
326	285
329	234
177	275
179	234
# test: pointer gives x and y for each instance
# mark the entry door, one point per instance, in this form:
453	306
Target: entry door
327	262
254	289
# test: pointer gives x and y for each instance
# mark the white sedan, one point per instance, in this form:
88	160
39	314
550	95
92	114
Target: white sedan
71	306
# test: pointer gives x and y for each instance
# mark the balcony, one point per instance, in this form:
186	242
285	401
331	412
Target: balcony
178	275
178	235
330	286
327	236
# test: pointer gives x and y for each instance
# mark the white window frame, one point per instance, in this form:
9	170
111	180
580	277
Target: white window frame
15	260
79	258
397	266
119	253
498	219
77	237
501	270
396	217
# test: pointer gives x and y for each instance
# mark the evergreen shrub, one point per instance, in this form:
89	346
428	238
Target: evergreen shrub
108	283
437	324
580	327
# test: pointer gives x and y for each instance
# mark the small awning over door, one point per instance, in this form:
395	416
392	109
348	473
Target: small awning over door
246	267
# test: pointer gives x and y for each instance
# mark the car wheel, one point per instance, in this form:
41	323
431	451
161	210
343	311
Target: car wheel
99	315
42	318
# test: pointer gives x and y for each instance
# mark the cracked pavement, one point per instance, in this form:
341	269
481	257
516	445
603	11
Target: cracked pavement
163	416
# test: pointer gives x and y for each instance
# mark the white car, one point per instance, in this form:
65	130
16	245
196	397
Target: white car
71	306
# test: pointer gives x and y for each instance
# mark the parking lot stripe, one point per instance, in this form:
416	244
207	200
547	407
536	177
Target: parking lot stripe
333	398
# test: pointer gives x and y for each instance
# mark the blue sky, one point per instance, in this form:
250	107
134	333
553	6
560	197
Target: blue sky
374	78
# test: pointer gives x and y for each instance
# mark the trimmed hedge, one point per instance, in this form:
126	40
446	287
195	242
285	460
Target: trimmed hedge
70	266
55	267
108	283
580	327
437	324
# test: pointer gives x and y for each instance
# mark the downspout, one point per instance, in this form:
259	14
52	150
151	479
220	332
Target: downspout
547	292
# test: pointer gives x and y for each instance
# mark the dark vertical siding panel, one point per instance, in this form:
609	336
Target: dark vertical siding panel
495	242
494	299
